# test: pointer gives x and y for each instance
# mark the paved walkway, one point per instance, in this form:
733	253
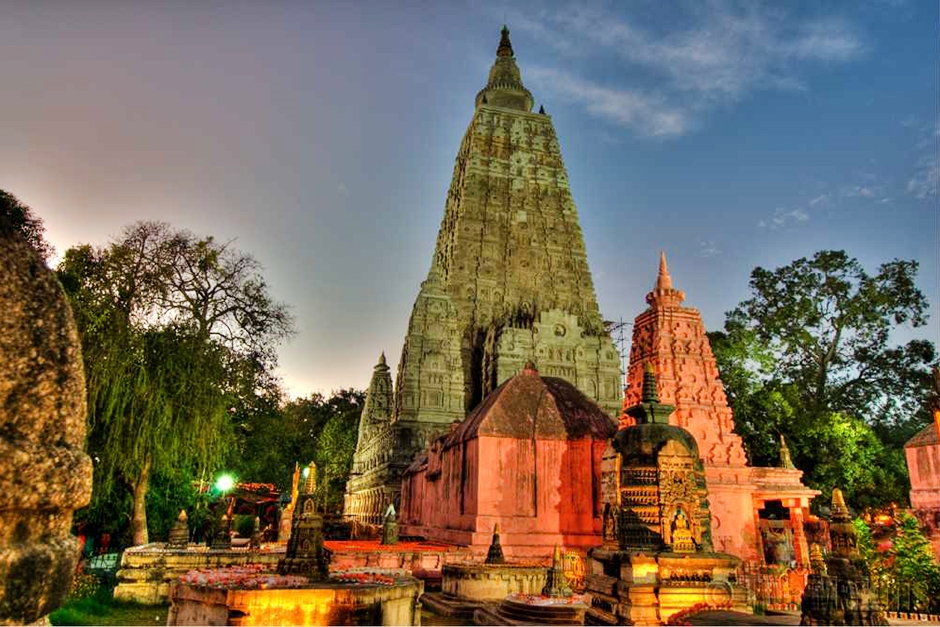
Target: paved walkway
727	617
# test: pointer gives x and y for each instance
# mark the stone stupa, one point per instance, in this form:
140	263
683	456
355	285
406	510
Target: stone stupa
663	561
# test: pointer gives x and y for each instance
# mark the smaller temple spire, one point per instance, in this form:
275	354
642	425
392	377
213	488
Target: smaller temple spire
663	280
664	294
649	410
310	485
494	554
556	583
785	460
840	511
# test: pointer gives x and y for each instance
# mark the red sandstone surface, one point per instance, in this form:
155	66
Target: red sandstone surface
528	459
672	339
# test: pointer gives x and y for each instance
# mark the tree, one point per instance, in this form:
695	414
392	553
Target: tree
20	218
316	429
827	323
809	356
178	333
913	563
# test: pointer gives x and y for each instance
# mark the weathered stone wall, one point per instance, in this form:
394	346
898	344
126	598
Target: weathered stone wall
147	571
45	475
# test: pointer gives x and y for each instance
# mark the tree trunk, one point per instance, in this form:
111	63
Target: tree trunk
139	517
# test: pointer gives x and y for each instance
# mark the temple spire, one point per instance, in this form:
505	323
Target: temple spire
505	46
664	294
663	280
504	86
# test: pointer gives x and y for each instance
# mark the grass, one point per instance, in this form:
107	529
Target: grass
102	609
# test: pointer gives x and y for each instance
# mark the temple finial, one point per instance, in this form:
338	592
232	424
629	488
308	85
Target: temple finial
382	359
505	46
663	280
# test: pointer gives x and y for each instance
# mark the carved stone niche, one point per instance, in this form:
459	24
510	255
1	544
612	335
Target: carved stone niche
45	475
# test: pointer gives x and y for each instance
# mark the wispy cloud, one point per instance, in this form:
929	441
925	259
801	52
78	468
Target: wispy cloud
926	177
716	53
782	218
707	248
815	201
859	191
645	113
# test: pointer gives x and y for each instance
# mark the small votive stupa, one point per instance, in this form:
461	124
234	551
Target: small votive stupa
657	558
305	555
838	591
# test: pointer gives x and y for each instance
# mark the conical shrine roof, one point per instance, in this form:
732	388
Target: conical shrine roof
531	406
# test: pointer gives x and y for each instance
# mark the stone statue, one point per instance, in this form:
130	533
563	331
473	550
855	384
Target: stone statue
682	541
610	525
390	526
45	472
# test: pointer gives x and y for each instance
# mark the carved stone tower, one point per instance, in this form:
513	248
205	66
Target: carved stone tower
508	282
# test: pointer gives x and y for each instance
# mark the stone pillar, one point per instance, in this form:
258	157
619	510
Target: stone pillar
800	546
45	474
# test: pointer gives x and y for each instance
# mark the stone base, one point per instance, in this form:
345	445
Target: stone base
515	610
423	560
147	570
323	603
648	588
446	605
491	582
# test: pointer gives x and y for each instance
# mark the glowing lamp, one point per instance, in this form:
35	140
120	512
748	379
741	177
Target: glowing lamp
306	471
224	483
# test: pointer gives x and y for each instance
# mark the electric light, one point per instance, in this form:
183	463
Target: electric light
224	483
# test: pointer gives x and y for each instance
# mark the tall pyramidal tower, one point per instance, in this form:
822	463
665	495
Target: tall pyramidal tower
509	282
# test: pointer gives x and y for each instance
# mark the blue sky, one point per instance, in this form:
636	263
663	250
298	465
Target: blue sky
321	137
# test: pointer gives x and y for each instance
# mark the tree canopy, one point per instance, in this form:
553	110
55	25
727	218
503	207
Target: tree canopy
178	334
810	356
18	216
316	428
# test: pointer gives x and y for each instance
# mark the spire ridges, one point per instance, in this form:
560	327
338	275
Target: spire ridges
663	293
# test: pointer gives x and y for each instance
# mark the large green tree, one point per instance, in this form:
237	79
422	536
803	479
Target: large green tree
178	333
810	356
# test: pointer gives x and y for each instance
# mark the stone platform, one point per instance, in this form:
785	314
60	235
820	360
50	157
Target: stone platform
252	596
467	587
520	609
424	560
147	570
